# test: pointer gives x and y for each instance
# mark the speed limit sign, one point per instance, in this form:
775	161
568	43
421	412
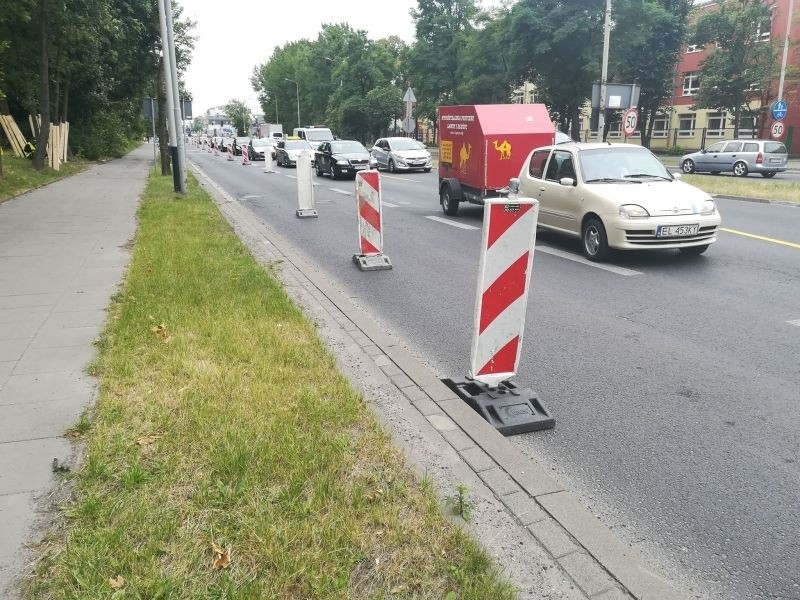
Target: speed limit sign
629	120
777	129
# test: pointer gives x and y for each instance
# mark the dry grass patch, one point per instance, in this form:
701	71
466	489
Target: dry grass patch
227	458
775	189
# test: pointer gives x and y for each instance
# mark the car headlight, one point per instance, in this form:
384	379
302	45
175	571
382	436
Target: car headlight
343	162
708	207
632	211
372	161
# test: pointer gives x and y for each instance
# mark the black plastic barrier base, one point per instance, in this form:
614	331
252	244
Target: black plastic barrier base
372	262
508	409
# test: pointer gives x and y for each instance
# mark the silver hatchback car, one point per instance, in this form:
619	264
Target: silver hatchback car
739	157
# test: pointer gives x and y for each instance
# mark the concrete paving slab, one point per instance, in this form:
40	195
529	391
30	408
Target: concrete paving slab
27	466
13	525
97	299
57	337
27	300
20	329
12	349
34	420
44	387
47	360
586	573
78	318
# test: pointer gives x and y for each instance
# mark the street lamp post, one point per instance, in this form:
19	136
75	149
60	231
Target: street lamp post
298	99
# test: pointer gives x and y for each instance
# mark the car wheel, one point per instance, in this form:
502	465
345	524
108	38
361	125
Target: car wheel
427	170
318	168
768	174
694	250
449	204
740	169
687	166
334	174
594	242
391	166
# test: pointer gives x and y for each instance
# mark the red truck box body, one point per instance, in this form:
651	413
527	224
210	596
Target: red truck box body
484	145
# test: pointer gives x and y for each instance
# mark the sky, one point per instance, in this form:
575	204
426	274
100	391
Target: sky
234	36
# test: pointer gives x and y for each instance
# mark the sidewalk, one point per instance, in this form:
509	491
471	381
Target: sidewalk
63	250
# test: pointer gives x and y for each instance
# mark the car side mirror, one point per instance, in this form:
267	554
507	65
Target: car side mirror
703	151
567	181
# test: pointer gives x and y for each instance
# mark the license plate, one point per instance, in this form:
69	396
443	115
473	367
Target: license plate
359	167
775	160
676	230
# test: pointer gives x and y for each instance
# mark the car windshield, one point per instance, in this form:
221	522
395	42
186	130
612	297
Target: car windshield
620	164
242	140
347	147
262	142
405	144
319	135
298	145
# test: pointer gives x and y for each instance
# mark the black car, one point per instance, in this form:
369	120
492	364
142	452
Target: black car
239	143
341	158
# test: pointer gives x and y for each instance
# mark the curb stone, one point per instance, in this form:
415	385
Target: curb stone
531	503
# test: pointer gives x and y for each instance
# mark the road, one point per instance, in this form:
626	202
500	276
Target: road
673	379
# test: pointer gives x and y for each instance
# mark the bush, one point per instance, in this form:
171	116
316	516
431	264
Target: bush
675	151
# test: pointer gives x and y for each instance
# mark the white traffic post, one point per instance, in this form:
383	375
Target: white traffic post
509	236
230	151
305	187
370	223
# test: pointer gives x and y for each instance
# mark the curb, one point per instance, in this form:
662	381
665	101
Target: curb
586	550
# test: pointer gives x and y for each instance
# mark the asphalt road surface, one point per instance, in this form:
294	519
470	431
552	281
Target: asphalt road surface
674	380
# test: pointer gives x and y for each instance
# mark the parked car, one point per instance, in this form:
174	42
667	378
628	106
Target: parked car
401	154
341	157
617	196
287	151
739	157
260	148
240	142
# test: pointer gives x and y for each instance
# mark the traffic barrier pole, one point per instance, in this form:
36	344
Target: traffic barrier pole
501	301
246	155
230	151
216	149
305	187
370	223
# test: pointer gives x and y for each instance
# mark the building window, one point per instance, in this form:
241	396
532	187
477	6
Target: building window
747	127
686	124
660	126
693	48
615	128
716	124
691	83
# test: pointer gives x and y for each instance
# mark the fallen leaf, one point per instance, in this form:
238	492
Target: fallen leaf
221	559
146	440
117	582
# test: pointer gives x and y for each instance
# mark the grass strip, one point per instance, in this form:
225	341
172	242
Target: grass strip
19	176
788	191
223	432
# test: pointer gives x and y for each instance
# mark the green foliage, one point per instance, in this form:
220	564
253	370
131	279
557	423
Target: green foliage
741	63
239	115
459	503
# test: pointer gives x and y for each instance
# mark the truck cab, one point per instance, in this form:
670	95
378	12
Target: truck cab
313	134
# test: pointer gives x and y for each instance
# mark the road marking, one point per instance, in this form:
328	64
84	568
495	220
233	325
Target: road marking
399	178
453	223
292	176
796	322
389	204
760	237
585	261
343	192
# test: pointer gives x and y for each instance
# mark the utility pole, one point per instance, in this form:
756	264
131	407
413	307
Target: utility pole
173	96
785	49
601	120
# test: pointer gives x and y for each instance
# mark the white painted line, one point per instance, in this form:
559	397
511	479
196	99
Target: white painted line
343	192
399	178
796	322
453	223
584	261
389	204
292	176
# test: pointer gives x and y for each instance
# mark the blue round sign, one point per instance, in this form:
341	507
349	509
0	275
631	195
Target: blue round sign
779	110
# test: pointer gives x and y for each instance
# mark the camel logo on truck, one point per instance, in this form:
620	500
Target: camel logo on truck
464	155
504	149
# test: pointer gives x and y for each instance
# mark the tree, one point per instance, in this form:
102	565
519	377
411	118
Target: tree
554	44
645	48
742	62
382	104
239	115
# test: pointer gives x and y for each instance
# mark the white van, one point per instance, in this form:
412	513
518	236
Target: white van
313	134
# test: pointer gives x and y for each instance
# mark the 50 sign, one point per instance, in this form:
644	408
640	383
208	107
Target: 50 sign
629	121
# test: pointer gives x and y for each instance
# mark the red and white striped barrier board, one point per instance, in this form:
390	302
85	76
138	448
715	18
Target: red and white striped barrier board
370	223
246	155
509	235
230	151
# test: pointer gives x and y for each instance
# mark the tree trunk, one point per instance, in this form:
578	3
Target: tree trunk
44	89
575	129
736	122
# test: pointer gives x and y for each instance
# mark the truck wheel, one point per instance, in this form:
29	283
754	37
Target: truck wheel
449	205
593	240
